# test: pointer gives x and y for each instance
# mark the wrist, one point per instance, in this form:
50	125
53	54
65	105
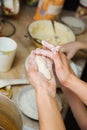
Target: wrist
43	96
70	82
46	91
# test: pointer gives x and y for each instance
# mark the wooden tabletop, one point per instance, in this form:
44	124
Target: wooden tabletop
23	50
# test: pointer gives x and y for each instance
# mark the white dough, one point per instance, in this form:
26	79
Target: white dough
42	67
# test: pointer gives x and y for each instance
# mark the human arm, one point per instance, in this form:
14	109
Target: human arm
70	49
49	114
64	72
77	107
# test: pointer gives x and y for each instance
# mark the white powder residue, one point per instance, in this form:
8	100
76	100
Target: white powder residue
28	104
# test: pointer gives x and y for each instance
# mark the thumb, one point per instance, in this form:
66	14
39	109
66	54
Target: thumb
62	49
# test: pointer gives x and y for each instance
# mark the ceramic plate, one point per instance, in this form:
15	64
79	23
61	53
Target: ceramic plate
74	67
27	102
27	128
76	24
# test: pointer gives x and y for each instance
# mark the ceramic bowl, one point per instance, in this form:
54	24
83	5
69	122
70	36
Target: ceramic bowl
10	117
43	30
77	25
11	7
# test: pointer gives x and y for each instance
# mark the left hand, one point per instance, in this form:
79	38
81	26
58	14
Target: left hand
62	67
37	79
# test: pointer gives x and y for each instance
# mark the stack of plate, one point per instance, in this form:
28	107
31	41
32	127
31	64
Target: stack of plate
76	24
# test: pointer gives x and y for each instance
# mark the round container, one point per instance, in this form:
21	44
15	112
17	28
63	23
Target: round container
83	2
7	53
82	9
43	30
47	9
76	24
11	7
10	116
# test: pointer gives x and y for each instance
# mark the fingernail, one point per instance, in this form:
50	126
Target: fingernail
57	48
43	42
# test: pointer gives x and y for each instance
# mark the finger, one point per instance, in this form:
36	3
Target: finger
29	59
47	45
31	56
62	49
70	55
32	67
57	48
32	64
57	59
46	53
50	46
65	60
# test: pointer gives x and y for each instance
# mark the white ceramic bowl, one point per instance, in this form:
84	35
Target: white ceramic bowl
10	116
11	7
76	24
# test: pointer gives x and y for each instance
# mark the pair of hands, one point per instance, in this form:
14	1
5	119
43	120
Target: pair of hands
62	68
37	79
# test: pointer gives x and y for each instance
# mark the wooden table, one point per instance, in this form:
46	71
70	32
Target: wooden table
24	48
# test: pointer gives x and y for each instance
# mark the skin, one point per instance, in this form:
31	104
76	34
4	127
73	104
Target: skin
74	89
77	107
64	72
49	114
70	49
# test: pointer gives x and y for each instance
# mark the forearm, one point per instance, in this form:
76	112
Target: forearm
78	86
78	109
49	114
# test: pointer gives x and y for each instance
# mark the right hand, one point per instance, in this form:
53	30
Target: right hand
70	49
62	67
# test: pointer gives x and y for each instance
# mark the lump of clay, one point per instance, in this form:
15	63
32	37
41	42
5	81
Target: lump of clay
42	66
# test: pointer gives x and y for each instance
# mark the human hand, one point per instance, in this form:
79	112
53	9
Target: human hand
62	67
37	79
70	49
